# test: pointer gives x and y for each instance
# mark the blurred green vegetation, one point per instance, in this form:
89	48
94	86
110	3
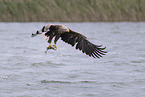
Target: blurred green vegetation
71	10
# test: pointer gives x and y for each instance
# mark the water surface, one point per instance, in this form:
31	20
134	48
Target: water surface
26	71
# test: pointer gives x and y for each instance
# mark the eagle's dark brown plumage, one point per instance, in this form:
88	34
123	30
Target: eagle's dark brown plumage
71	37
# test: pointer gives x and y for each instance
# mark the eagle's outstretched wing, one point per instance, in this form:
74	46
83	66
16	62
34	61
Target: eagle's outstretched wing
83	44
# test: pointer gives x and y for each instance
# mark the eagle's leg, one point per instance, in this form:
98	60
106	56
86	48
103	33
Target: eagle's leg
55	40
55	47
49	41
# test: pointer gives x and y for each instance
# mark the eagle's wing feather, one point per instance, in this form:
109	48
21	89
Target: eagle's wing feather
83	44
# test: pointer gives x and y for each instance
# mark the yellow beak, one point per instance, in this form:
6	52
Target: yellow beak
68	30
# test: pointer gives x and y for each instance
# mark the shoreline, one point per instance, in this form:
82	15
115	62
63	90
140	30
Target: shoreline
72	10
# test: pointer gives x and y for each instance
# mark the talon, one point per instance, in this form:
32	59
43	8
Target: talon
55	47
49	47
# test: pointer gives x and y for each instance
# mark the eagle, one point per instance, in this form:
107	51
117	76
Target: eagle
71	37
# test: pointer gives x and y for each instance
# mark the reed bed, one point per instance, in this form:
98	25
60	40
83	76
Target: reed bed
71	10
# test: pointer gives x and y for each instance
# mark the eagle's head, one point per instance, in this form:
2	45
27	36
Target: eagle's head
64	28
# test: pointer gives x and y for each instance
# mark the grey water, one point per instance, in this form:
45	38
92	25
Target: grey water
26	71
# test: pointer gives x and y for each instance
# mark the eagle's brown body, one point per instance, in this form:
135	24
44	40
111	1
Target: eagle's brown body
71	38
